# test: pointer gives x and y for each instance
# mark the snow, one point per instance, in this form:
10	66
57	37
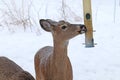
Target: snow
98	63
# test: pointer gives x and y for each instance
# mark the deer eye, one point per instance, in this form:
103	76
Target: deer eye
64	27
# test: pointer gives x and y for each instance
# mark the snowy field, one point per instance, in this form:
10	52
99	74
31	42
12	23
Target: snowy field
99	63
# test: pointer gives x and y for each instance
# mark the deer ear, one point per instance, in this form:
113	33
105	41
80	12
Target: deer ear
45	25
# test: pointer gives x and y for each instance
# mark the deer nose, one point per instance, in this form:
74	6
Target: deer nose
83	28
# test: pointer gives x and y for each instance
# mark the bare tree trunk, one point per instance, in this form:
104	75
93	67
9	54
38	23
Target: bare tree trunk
115	10
119	2
63	9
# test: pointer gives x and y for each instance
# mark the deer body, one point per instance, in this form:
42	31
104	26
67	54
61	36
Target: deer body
52	63
9	70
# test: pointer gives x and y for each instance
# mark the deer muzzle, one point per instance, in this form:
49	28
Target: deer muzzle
83	29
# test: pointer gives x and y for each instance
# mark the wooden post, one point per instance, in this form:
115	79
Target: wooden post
89	41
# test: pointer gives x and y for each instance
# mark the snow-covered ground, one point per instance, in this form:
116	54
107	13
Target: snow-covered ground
99	63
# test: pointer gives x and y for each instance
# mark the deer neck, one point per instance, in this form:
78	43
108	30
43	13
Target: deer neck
59	59
60	49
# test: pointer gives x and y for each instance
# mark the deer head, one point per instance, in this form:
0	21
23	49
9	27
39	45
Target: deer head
62	29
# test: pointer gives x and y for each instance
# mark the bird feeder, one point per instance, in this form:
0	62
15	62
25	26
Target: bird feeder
89	41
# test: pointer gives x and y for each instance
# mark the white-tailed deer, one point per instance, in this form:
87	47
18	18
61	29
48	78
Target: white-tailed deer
9	70
52	63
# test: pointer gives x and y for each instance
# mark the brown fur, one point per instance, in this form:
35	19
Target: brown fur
9	70
52	63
